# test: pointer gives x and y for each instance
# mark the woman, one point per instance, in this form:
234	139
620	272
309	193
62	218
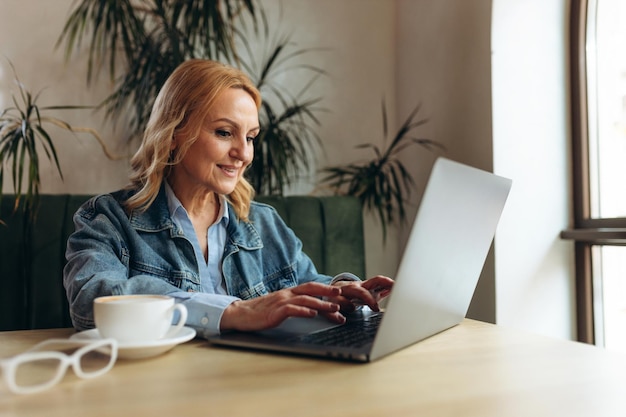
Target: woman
186	226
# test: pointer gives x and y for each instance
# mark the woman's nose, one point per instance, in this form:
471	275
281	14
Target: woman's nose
242	149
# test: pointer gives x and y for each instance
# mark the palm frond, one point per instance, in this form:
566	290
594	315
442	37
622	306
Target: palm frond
383	184
23	135
144	41
287	144
111	26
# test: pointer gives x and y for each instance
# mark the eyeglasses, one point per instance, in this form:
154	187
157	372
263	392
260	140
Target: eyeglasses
43	366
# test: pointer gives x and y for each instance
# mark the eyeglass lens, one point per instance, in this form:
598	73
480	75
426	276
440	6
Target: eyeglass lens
42	371
94	361
37	372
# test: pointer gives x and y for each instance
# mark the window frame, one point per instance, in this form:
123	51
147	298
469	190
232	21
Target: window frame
586	232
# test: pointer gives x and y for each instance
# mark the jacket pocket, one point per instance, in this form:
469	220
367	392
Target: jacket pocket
182	279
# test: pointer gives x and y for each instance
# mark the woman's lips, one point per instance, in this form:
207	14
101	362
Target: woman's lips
229	169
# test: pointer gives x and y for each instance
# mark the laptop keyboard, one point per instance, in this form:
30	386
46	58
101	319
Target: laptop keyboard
352	334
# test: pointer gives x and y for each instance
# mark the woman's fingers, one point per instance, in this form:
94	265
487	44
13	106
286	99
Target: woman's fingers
335	317
315	289
367	292
379	283
267	311
305	300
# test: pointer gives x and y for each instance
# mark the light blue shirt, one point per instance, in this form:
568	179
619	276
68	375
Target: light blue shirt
208	306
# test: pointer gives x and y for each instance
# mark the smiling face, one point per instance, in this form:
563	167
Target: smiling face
218	158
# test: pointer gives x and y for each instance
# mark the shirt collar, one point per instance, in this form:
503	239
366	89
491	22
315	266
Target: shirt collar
176	207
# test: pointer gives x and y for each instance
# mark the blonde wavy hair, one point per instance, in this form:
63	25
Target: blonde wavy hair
180	110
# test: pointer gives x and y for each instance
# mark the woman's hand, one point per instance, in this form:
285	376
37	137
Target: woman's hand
272	309
368	292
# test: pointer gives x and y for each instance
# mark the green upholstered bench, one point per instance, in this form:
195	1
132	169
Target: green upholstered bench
31	270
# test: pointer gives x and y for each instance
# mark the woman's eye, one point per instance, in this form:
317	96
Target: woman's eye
222	133
251	138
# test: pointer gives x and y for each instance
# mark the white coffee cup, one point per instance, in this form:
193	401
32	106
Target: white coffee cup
137	318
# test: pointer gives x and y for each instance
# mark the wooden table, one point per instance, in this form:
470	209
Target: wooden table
474	369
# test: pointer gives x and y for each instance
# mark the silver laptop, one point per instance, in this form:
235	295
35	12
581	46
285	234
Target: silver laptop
435	282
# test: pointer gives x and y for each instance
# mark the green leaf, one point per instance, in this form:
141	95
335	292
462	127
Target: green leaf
383	184
22	133
143	41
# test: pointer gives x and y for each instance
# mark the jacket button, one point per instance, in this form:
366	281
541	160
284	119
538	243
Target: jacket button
204	320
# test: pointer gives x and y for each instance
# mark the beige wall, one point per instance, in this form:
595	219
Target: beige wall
449	72
534	266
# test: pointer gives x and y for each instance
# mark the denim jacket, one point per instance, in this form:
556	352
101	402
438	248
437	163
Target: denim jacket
112	252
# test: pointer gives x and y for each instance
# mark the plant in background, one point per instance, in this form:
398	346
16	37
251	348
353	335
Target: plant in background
23	135
382	184
150	38
286	146
143	42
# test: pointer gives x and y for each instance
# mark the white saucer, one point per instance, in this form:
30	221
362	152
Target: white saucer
144	349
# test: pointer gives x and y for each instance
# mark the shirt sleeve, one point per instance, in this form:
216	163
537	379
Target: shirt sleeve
204	310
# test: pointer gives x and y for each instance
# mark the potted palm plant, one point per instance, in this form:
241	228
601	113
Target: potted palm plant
383	183
24	133
288	142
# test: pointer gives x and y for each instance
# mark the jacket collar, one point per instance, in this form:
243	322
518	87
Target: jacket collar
242	234
157	218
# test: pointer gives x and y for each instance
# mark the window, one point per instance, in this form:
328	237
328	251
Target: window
598	57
